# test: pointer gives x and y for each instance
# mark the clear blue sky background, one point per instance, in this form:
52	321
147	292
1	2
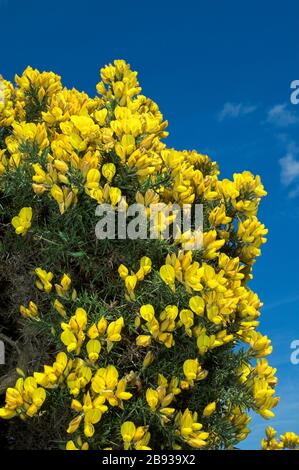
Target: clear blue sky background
221	73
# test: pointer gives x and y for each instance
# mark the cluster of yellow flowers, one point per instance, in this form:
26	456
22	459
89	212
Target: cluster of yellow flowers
137	437
240	421
110	149
261	381
190	429
93	388
24	400
77	132
22	221
289	440
132	279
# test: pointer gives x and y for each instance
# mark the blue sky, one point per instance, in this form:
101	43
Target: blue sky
221	73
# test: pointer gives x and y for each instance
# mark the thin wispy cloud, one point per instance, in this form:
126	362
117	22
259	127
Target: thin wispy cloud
289	174
294	193
289	169
281	116
279	303
234	110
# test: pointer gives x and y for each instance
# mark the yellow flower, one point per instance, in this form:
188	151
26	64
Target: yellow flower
69	339
193	371
152	398
44	280
64	197
64	285
190	368
6	413
128	430
190	429
82	123
145	268
100	116
102	325
130	283
148	359
218	216
57	194
115	195
114	332
73	332
270	432
30	312
197	305
290	440
209	409
125	147
91	410
106	384
25	399
92	179
59	308
205	342
22	222
108	171
93	348
74	424
77	445
81	318
147	312
54	374
146	264
123	271
187	318
121	390
143	340
93	331
260	344
167	274
61	166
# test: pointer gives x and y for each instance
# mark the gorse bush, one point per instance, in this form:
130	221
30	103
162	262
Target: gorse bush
149	343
